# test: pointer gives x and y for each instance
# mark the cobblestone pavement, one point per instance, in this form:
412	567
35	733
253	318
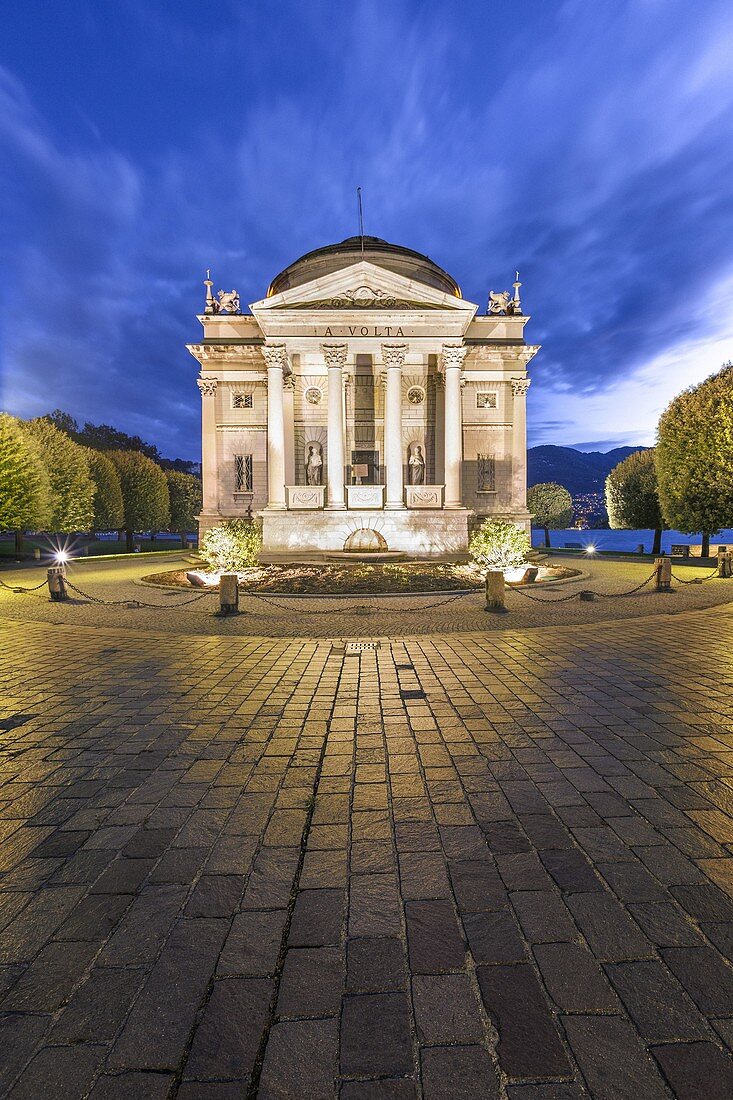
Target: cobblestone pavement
460	866
316	617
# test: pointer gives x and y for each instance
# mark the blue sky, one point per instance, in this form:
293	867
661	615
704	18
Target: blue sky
587	142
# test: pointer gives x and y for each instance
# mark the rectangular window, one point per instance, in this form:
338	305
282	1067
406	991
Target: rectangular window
486	399
241	400
486	473
243	481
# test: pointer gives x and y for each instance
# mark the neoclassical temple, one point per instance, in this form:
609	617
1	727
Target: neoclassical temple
363	402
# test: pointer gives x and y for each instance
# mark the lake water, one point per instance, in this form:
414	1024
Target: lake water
627	540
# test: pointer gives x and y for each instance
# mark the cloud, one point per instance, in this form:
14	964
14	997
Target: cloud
588	145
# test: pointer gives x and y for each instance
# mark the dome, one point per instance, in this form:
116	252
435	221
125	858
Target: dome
332	257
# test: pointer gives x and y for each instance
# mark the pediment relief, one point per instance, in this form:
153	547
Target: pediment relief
363	296
363	286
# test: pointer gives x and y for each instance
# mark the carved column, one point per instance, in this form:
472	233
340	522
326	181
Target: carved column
335	356
277	363
209	471
393	356
289	427
453	356
519	443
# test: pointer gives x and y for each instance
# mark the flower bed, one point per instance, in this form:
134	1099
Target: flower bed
334	579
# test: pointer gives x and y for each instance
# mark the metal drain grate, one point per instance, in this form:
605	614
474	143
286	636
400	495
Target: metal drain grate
412	694
359	647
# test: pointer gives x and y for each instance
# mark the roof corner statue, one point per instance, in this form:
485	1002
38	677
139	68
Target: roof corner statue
226	302
363	392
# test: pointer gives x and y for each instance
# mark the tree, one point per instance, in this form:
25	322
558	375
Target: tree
551	506
64	422
632	496
694	457
24	484
72	488
103	437
109	509
144	492
185	498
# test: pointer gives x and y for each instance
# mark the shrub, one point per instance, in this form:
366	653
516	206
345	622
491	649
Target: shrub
232	546
499	545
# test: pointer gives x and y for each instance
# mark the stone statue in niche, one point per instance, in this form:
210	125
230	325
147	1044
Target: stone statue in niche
313	465
416	462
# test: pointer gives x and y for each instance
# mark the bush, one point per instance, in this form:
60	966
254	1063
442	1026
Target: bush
499	545
232	546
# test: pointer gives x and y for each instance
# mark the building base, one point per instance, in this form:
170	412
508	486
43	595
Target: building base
419	534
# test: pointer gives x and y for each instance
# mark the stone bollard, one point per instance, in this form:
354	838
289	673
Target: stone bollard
37	553
229	594
495	590
56	576
663	567
725	564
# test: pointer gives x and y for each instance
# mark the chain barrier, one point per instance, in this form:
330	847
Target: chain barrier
696	580
576	595
359	609
18	589
132	603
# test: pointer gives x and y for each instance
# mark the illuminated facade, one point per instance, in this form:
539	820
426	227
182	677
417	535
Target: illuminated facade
363	400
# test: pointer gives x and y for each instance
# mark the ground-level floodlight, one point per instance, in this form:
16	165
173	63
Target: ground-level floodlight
495	590
56	576
229	594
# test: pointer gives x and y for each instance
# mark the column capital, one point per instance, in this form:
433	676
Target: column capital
393	355
520	386
453	355
334	354
289	381
207	386
276	356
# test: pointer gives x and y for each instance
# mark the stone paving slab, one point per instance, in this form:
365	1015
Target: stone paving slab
461	865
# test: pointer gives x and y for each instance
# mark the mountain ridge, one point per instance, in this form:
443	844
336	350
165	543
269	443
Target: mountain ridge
579	471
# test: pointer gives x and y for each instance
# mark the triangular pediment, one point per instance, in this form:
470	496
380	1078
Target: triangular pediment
363	286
